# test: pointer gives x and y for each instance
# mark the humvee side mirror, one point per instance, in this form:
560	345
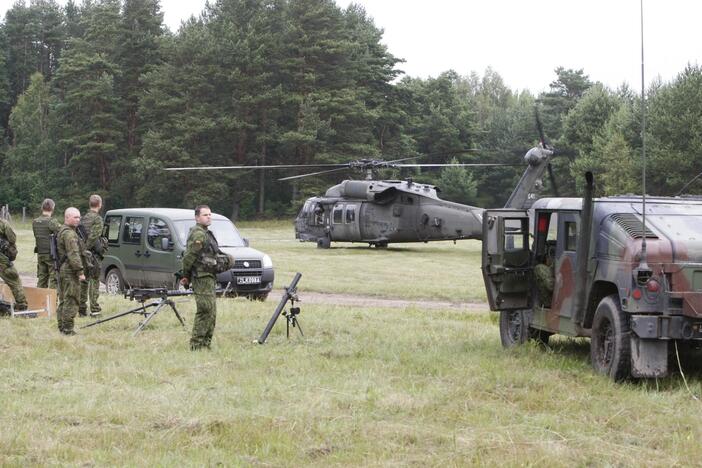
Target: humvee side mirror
246	242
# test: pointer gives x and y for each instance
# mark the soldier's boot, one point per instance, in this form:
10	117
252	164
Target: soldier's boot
82	312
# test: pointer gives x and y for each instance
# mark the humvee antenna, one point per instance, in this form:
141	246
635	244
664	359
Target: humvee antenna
643	264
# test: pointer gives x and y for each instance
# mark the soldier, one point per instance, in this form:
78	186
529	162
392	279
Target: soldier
70	271
90	289
544	275
8	253
199	268
43	227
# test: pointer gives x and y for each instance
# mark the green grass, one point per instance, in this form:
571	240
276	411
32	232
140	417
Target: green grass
365	386
437	270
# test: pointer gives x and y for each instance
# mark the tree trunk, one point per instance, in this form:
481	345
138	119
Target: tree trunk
235	211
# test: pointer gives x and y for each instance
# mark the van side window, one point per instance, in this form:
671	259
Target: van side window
157	231
112	225
131	233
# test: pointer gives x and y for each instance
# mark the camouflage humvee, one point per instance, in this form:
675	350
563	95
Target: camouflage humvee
631	310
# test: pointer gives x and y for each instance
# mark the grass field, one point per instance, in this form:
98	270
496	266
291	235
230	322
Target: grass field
365	386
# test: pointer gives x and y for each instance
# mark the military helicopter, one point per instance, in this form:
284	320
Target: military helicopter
381	212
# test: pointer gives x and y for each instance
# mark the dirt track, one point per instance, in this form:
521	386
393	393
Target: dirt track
352	300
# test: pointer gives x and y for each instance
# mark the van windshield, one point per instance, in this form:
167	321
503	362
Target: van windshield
223	230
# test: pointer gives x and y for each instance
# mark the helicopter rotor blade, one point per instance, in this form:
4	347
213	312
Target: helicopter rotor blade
403	159
274	166
314	173
459	165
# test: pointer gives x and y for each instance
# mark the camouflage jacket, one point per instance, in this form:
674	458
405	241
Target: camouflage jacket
93	225
7	232
8	239
70	249
200	255
43	227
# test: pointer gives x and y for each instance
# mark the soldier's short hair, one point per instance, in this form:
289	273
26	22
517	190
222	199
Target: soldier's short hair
199	208
95	200
48	205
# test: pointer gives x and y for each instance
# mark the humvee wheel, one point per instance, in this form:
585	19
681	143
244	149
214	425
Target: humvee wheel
514	329
114	284
610	345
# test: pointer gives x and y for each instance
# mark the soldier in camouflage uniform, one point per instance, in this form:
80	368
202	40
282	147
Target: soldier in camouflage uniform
90	289
71	271
43	227
545	278
8	272
199	263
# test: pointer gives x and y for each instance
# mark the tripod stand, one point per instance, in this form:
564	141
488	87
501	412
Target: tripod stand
156	304
291	318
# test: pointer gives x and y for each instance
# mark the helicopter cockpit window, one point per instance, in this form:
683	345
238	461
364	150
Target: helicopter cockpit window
350	214
338	214
318	215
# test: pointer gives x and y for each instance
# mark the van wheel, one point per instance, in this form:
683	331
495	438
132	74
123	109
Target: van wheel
610	344
114	283
324	242
514	329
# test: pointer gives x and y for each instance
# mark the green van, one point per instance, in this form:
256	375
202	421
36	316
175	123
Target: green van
146	248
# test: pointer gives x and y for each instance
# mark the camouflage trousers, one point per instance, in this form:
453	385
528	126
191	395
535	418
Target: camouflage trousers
46	275
69	295
90	290
545	281
206	315
9	275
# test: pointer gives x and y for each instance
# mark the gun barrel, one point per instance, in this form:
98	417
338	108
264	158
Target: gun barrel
144	294
286	296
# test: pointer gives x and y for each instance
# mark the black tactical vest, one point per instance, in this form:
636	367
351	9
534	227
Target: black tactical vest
42	234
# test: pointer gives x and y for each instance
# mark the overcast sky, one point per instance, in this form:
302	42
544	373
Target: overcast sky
525	40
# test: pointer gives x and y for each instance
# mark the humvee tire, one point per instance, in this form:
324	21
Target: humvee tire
610	343
514	329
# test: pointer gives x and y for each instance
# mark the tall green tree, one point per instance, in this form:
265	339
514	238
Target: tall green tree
675	133
91	130
35	37
30	169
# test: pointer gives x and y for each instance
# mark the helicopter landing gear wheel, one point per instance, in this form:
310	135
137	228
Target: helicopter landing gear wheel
381	245
324	242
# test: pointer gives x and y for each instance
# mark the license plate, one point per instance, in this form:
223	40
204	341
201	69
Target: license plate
248	280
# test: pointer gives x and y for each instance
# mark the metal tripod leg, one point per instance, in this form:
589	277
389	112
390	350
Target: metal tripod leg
175	311
137	310
159	304
291	319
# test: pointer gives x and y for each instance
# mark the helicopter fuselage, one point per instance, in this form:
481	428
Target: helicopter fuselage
384	212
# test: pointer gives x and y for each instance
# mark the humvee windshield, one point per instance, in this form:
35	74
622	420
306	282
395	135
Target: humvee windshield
223	230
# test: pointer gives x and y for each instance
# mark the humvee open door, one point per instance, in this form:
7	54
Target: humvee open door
506	259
